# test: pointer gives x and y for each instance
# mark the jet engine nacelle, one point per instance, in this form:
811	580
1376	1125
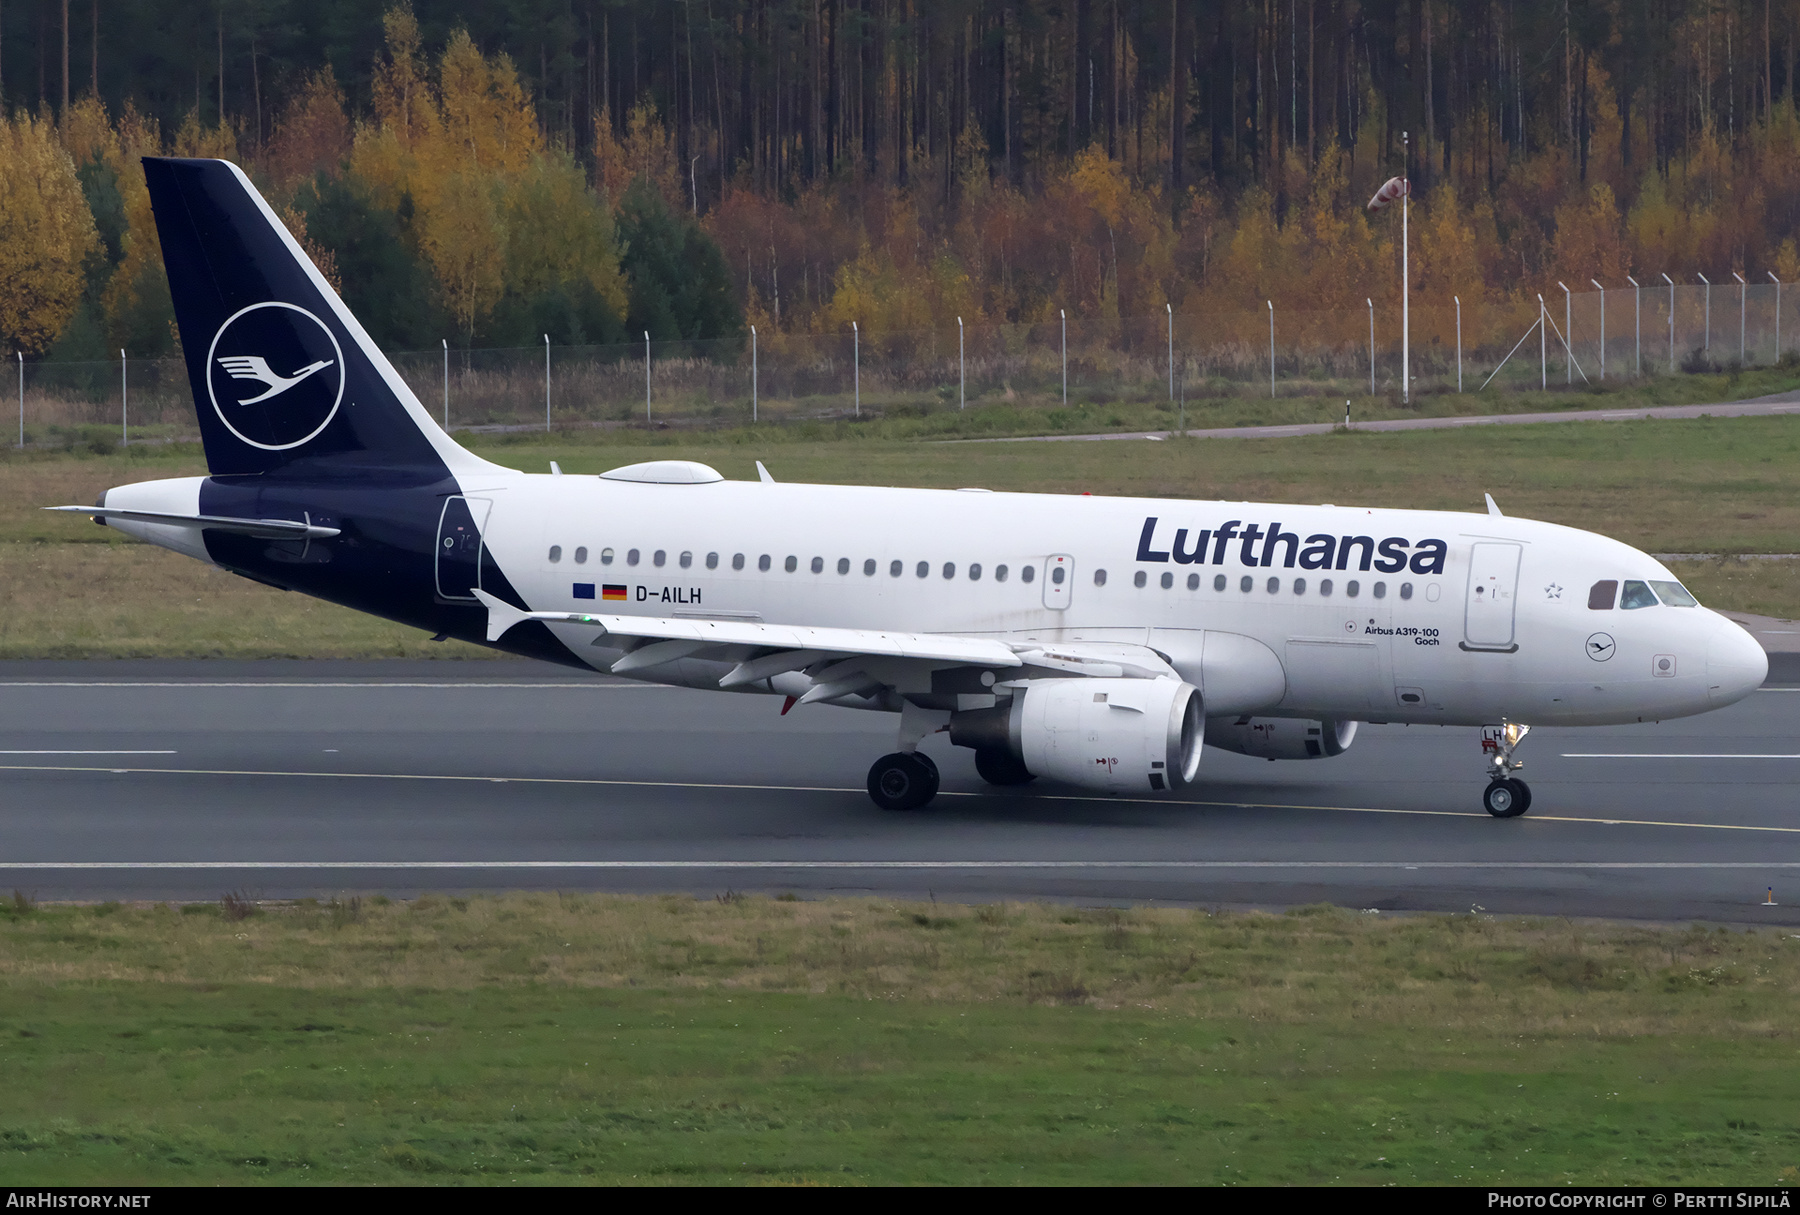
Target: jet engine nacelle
1281	737
1115	735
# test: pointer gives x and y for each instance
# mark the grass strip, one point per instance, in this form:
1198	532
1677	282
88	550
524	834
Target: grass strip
555	1038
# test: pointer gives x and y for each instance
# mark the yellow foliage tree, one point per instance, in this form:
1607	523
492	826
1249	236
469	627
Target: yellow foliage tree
46	230
464	239
312	134
558	233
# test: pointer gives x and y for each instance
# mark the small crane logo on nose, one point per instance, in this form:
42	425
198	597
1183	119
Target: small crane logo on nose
1600	647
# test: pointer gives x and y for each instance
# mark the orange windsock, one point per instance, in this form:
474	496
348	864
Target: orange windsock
1391	192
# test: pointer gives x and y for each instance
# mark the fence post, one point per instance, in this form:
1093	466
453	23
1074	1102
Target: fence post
1065	353
1458	300
1671	283
1371	303
1568	337
1271	304
1171	309
546	383
446	342
1637	323
1706	333
962	372
1772	276
124	403
856	357
753	373
1602	291
646	375
21	355
1742	287
1543	349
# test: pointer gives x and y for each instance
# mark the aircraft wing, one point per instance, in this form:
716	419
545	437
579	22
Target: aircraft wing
839	662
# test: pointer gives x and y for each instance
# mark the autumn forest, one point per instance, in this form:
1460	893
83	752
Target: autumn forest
486	173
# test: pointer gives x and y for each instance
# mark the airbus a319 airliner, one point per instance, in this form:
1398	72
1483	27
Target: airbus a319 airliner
1098	642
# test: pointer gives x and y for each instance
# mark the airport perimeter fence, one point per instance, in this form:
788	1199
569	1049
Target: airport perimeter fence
1195	357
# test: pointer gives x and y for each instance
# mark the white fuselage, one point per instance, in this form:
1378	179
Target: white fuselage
1359	642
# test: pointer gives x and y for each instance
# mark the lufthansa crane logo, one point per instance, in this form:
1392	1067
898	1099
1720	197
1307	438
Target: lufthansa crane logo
275	374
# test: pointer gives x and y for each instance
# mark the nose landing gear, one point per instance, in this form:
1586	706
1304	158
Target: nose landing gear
1506	796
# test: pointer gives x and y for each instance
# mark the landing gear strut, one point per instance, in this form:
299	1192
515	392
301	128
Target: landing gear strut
905	780
1506	796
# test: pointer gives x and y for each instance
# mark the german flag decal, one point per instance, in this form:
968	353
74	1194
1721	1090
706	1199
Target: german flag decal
609	591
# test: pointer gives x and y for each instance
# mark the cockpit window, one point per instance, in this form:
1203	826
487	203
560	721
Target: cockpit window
1674	594
1637	595
1602	594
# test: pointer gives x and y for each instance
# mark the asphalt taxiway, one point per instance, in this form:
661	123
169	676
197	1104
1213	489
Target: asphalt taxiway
186	780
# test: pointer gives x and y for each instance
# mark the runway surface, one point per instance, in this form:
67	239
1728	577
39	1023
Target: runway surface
186	780
1755	407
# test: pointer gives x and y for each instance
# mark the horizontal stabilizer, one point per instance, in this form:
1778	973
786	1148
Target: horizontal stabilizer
262	529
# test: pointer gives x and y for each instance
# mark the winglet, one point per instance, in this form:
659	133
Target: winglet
762	474
1493	507
501	614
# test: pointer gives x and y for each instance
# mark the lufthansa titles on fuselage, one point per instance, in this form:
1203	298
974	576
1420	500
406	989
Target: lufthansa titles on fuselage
1259	548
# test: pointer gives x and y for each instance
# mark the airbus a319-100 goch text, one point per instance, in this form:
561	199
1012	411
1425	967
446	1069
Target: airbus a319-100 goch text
1095	641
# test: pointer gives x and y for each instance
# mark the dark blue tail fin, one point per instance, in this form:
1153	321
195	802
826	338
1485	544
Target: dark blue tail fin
283	376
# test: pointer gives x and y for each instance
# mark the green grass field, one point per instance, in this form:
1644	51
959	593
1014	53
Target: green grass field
549	1039
71	590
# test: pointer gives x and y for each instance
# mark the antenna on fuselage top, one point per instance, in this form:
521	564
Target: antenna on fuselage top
762	474
1493	506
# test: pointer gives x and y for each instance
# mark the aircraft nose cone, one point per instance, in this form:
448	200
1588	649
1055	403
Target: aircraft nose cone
1735	665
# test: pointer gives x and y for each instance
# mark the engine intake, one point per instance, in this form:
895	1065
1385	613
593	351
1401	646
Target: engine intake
1115	735
1281	737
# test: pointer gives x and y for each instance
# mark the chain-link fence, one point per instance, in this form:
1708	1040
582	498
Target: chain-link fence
777	377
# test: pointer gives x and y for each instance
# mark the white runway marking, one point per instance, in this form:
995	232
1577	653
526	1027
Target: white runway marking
90	752
1169	803
301	683
1671	755
946	865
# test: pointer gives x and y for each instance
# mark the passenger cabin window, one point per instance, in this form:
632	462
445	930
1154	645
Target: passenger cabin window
1219	582
1351	587
949	569
999	573
1168	580
606	556
869	568
659	558
1138	579
581	556
556	552
896	569
1299	586
631	557
1406	590
1028	573
737	561
687	561
1059	573
843	565
975	571
1381	590
1193	582
1099	577
1245	583
762	563
1637	595
1673	594
818	565
1602	594
1324	586
924	570
712	561
1274	585
791	564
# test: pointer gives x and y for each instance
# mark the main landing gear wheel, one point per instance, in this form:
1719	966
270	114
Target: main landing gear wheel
998	766
903	781
1507	798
